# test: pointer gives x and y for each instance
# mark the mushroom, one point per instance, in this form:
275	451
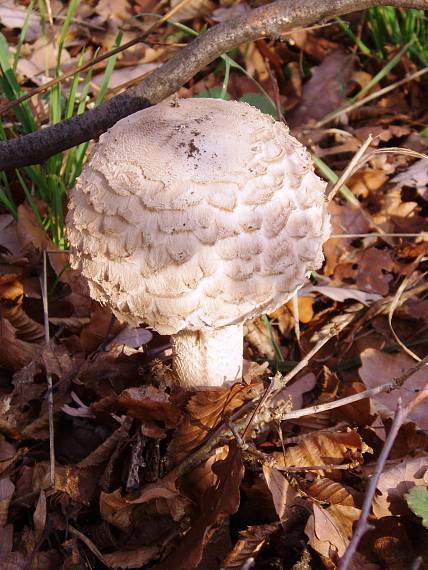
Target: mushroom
193	216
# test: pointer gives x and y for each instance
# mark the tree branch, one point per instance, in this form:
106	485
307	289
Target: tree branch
269	20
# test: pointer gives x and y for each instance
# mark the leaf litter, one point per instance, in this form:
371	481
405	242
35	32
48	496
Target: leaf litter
147	475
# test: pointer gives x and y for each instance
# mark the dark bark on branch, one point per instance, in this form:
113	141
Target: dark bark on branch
270	20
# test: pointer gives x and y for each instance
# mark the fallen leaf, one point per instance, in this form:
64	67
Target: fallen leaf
324	448
249	544
379	368
342	293
131	558
331	79
283	495
14	16
416	176
328	491
218	502
7	488
205	410
39	516
193	9
149	403
395	481
330	530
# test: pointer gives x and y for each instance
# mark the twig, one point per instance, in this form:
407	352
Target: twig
268	20
347	109
221	435
423	235
362	526
93	62
44	283
88	543
349	170
388	387
396	302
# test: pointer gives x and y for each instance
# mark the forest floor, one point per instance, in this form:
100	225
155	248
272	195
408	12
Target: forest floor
132	472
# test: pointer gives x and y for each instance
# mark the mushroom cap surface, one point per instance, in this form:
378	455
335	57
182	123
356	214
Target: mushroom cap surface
197	214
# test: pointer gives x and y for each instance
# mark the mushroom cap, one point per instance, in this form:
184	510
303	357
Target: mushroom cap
197	214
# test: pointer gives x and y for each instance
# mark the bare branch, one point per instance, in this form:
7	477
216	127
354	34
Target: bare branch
400	417
269	20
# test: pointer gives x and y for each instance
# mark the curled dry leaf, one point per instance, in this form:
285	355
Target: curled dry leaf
39	516
283	495
131	558
395	482
205	410
7	488
379	368
149	403
116	510
341	294
249	544
328	491
324	448
218	502
330	530
15	353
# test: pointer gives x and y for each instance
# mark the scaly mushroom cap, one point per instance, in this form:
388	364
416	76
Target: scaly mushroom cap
197	215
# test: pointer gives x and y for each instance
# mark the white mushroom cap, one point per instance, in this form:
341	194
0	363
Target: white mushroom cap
197	215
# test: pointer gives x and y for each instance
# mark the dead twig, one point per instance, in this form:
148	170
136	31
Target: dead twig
268	20
400	416
44	286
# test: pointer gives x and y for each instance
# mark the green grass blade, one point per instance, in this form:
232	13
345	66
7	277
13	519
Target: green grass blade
108	71
22	35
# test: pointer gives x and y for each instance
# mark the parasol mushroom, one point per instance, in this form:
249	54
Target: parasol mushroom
193	216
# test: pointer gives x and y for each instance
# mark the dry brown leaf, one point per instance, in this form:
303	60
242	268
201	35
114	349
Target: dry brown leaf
249	544
193	9
332	79
12	15
164	488
345	219
39	516
205	410
7	488
131	558
332	492
114	11
330	530
305	310
324	448
314	45
149	403
379	368
341	294
293	394
9	241
416	176
283	495
15	353
218	502
116	510
30	233
100	327
395	482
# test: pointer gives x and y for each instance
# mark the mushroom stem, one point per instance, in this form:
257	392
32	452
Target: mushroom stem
209	358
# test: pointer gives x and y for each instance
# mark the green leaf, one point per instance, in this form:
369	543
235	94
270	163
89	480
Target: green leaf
215	93
261	102
417	499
